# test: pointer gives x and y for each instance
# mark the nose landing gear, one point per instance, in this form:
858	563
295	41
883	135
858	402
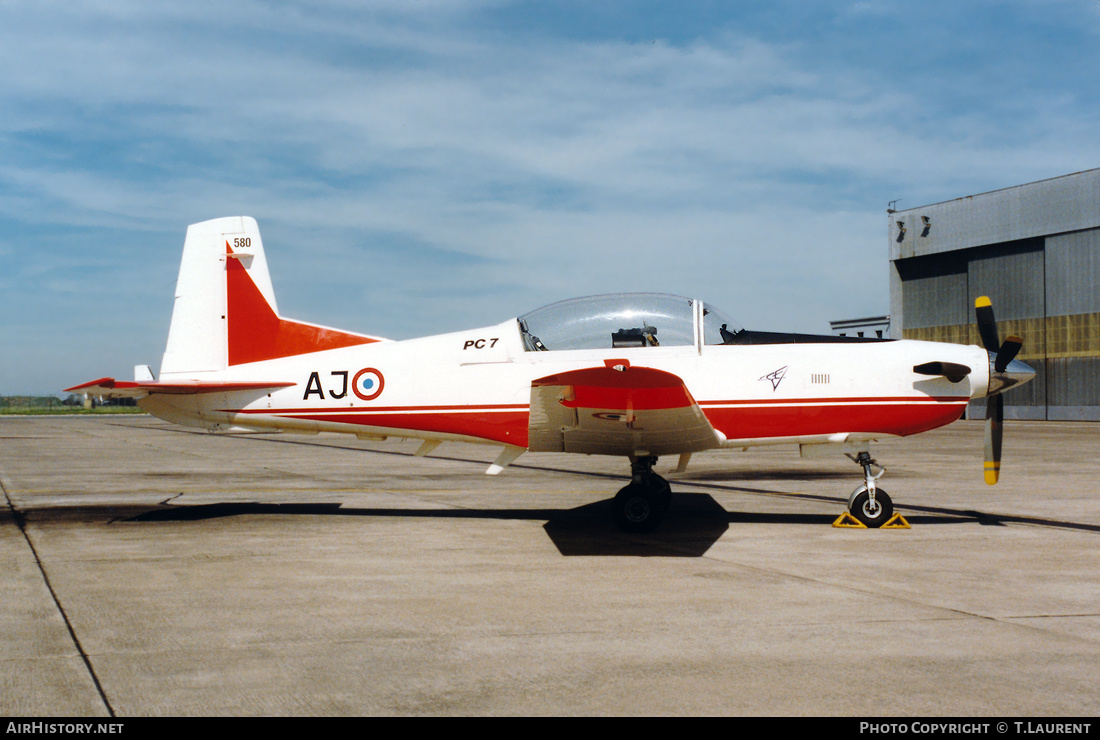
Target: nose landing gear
870	505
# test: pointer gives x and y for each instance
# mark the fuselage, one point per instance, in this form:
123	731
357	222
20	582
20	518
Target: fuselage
476	386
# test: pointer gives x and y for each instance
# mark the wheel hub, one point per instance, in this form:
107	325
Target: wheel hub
637	509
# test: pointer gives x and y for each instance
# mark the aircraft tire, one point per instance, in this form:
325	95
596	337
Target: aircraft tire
639	508
663	492
860	508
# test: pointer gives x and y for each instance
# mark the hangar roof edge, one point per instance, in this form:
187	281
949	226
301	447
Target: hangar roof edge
1056	205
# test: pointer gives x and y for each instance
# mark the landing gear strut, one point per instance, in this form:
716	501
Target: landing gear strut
870	504
642	504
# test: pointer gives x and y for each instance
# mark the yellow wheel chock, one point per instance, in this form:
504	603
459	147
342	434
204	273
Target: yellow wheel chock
846	520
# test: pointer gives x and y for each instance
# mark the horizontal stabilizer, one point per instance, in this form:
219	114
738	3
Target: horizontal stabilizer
111	388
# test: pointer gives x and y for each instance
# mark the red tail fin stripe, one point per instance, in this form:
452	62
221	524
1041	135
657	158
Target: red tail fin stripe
256	333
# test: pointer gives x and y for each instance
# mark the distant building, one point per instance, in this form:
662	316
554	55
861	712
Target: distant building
872	326
1035	251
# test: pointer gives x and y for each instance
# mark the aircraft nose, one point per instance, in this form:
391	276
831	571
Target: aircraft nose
1015	373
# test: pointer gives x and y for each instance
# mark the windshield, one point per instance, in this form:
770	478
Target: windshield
610	321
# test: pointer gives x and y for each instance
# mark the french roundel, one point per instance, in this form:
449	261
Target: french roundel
368	384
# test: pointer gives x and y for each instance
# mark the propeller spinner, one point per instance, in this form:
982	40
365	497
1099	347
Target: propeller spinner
1005	372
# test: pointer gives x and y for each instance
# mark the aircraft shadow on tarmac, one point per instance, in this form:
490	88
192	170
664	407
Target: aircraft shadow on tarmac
694	523
758	475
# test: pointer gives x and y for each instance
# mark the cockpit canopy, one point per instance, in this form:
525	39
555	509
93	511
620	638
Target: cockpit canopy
623	320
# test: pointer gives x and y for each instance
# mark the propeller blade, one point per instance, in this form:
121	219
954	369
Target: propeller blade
1004	372
987	324
1007	353
994	420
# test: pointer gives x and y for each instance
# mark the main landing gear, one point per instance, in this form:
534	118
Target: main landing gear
869	504
642	504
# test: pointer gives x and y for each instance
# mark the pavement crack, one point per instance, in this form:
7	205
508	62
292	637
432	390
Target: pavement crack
20	521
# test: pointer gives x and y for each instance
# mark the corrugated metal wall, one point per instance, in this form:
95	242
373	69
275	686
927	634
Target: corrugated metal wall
935	291
1073	326
1060	205
1073	273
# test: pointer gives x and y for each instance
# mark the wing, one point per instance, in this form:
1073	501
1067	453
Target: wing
617	410
112	388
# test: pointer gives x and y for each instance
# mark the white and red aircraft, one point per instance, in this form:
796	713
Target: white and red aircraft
638	375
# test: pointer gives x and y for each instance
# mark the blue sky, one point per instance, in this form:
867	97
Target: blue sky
421	166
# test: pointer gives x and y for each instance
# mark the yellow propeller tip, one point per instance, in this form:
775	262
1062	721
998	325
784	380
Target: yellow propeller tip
982	301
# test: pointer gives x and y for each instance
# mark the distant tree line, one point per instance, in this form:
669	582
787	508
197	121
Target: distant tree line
30	402
49	402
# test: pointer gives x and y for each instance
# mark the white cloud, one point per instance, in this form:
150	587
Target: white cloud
735	166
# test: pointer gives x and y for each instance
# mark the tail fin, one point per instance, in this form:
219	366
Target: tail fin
225	312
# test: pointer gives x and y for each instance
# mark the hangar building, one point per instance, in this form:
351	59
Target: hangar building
1035	251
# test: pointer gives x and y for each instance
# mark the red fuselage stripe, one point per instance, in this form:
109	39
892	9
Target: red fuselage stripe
461	407
748	422
508	424
906	400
